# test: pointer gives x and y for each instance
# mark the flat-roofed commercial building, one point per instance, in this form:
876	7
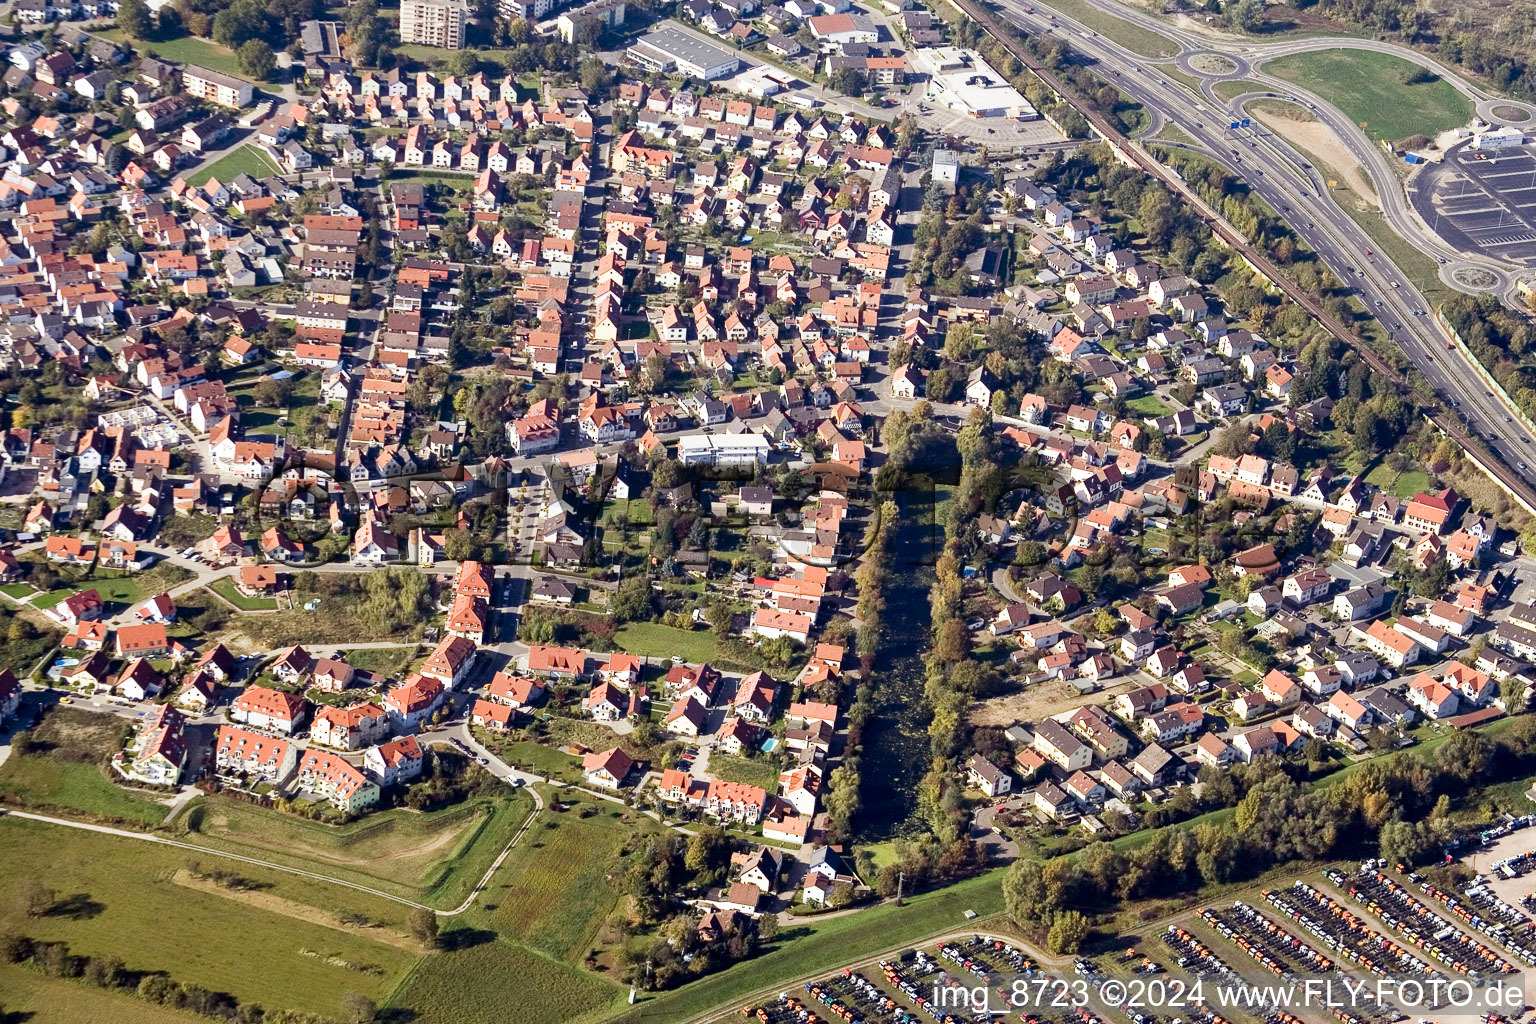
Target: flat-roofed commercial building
666	49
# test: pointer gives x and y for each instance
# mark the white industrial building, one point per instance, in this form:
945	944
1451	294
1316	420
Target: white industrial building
1499	138
723	450
962	80
665	49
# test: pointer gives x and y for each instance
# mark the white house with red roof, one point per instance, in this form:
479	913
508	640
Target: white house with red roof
414	701
399	760
607	768
336	780
450	661
262	707
253	754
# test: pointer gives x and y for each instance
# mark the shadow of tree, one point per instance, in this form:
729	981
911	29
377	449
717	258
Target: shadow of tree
79	907
465	938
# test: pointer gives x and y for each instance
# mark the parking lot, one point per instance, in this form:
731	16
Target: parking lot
1482	202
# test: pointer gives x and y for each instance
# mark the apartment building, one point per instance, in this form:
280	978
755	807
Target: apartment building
434	22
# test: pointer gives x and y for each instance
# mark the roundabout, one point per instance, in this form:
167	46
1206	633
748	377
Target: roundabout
1213	65
1502	111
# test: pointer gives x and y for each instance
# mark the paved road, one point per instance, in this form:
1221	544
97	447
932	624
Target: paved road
1283	178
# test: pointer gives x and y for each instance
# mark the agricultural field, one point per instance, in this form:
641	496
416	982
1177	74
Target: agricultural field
554	894
434	858
1375	88
66	770
489	981
118	896
31	997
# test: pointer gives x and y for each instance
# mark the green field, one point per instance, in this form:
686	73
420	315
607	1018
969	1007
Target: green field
653	640
762	773
1148	405
188	50
118	898
554	894
1133	37
495	982
31	997
545	907
47	783
1404	485
1370	87
225	588
431	858
66	770
245	160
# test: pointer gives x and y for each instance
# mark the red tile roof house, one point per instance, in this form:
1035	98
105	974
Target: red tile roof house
607	768
76	608
399	760
516	691
253	754
450	662
331	778
265	708
146	641
492	716
414	701
557	661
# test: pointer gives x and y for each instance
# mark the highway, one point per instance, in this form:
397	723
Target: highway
1285	180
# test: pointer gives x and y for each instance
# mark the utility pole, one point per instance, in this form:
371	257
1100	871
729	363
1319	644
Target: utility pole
901	881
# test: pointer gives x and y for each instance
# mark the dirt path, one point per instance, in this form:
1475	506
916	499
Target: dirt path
1317	139
298	911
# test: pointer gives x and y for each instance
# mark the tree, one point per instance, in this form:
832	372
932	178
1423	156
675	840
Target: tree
36	898
462	63
240	21
632	600
357	1008
1068	930
135	19
256	59
422	924
1512	692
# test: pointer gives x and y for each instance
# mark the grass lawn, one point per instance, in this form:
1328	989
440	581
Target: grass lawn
42	782
1370	87
432	858
536	757
245	160
117	587
66	770
744	770
387	661
1132	37
129	906
1403	485
17	590
188	50
225	588
653	640
1148	405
